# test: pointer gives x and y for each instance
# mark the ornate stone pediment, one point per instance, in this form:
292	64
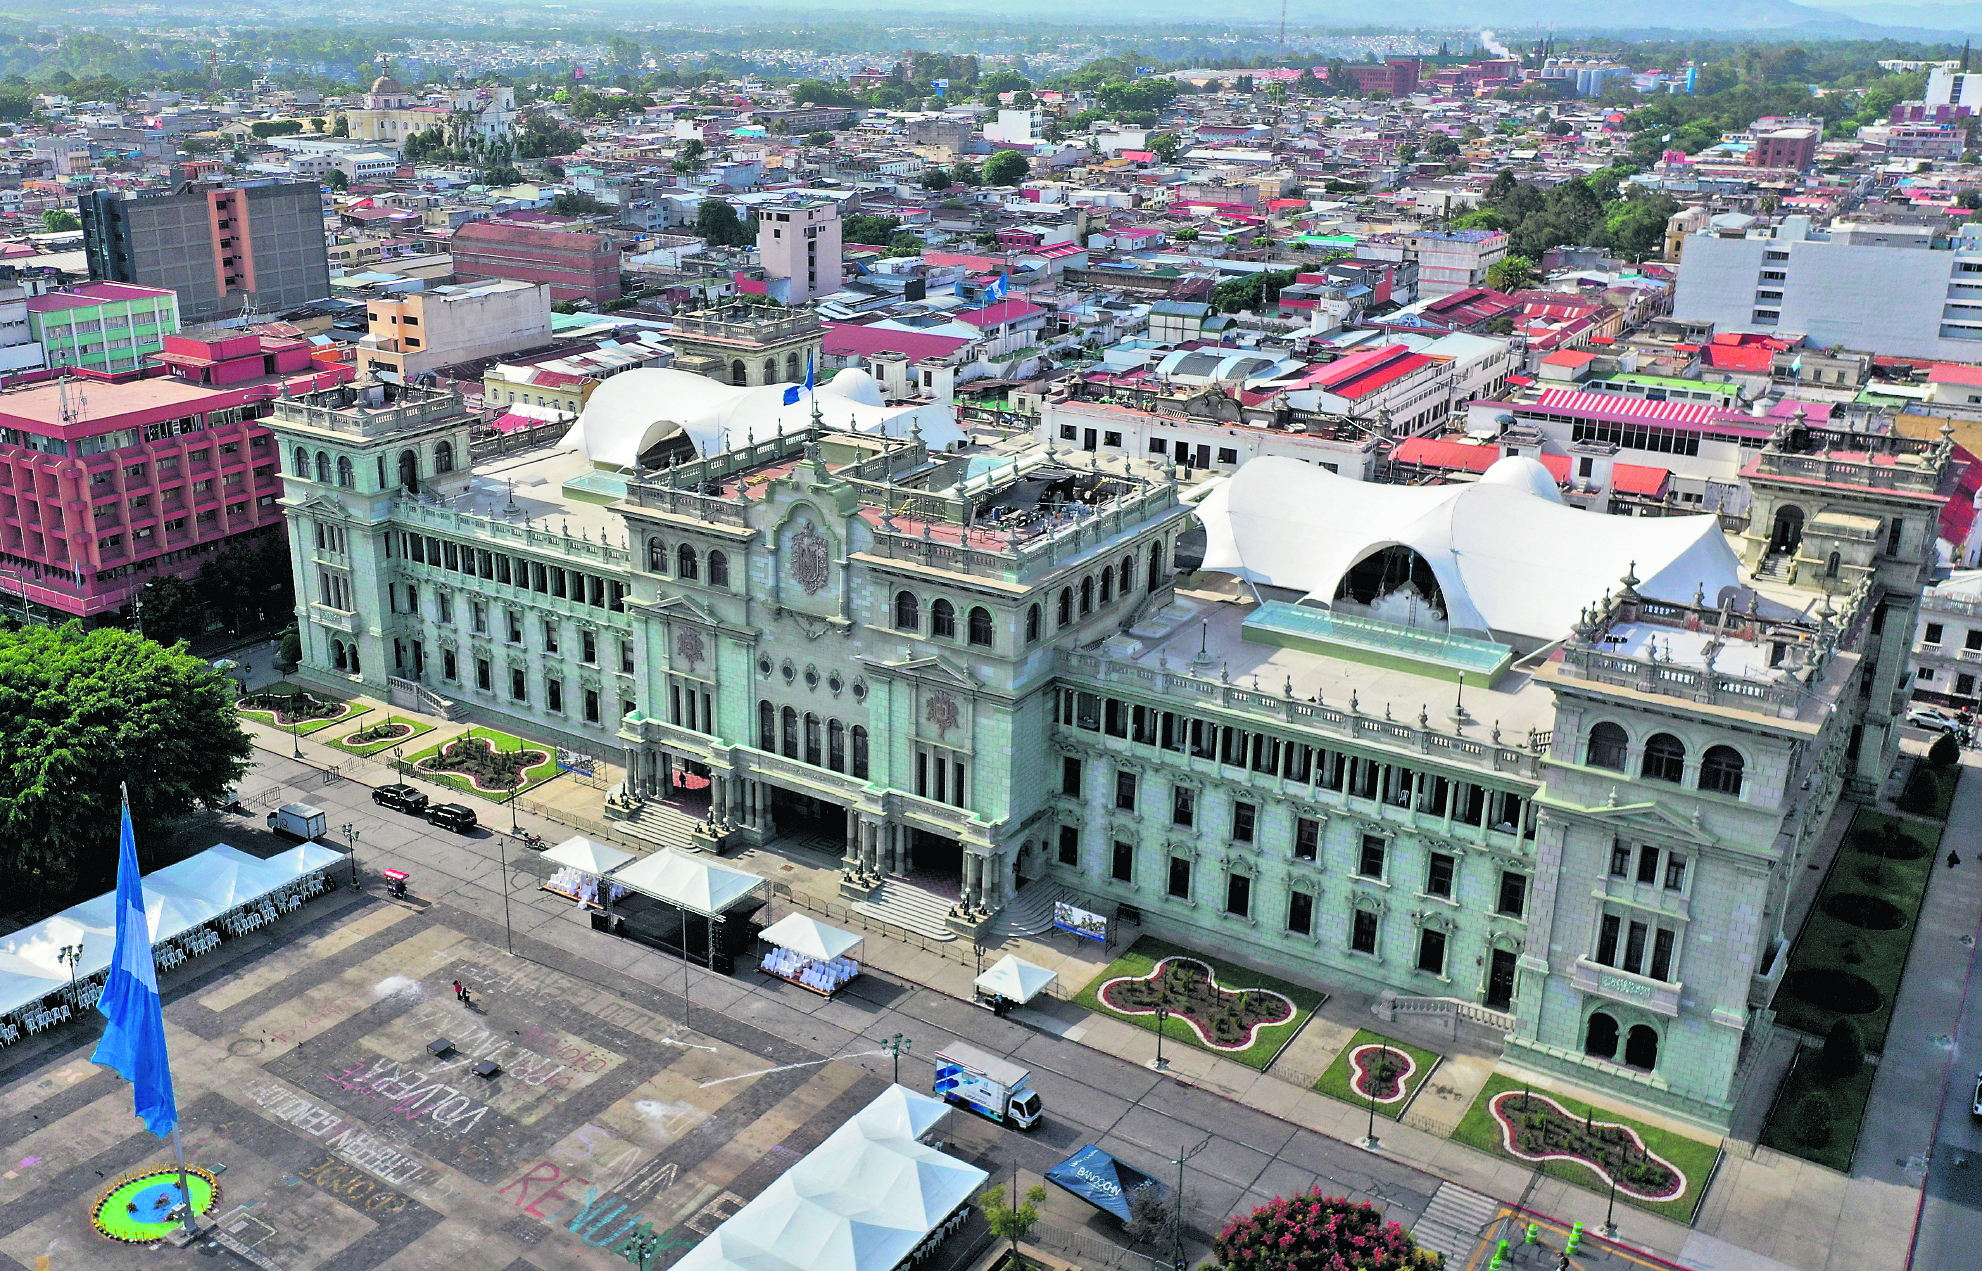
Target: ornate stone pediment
1651	818
938	669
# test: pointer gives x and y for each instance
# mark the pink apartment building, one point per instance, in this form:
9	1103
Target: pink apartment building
108	481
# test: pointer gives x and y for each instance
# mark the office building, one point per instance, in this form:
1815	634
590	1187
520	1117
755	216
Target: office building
798	242
102	326
225	250
411	332
575	265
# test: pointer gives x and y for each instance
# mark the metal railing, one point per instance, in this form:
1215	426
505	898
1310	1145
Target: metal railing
1090	1250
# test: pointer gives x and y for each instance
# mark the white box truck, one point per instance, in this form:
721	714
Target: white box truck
996	1088
297	820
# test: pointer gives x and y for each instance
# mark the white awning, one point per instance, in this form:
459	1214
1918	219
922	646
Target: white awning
810	937
1013	977
587	856
699	886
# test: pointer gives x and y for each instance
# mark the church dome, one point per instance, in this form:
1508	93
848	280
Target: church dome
386	86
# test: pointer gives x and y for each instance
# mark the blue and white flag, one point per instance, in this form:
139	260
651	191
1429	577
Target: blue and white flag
808	372
791	395
134	1038
996	291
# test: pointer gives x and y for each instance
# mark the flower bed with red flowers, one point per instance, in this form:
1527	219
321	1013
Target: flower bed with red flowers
1312	1232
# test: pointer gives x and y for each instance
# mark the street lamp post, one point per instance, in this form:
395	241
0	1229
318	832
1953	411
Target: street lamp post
1369	1141
1609	1227
1177	1216
641	1248
69	955
895	1046
508	933
1160	1063
351	837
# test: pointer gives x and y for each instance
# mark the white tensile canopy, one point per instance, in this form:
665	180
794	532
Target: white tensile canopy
1013	977
633	411
179	897
698	886
861	1201
587	856
810	937
1510	560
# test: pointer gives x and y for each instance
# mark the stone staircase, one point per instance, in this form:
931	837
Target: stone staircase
1455	1222
659	824
1773	566
906	905
1031	911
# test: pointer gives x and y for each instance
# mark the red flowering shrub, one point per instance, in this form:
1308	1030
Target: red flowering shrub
1313	1232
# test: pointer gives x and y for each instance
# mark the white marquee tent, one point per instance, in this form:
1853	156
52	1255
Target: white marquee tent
810	937
1013	977
698	886
863	1200
587	856
1511	559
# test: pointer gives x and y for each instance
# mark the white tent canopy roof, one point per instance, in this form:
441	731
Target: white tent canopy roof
698	886
587	856
633	411
1013	977
810	937
1510	561
860	1201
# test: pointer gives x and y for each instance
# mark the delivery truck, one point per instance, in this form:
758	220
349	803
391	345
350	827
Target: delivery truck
297	820
994	1087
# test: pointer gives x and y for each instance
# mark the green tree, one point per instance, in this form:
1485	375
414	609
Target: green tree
935	178
578	203
59	220
906	243
1166	146
866	227
1310	1230
716	223
819	139
966	174
1007	1223
1844	1048
171	610
1945	752
82	712
1511	273
1253	292
1813	1117
336	179
341	127
1007	167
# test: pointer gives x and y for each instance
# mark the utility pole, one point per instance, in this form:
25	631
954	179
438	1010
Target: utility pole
1177	1216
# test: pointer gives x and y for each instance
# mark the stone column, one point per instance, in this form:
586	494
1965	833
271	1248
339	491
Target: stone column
852	858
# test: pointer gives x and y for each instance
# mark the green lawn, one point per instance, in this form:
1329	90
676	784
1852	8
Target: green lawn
1835	958
502	741
1335	1082
1142	958
1848	1097
375	747
1481	1129
350	710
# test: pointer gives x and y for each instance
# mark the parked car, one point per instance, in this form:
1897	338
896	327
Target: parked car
1934	719
452	816
401	798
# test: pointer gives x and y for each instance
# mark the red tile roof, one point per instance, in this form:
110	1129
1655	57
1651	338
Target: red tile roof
850	339
998	314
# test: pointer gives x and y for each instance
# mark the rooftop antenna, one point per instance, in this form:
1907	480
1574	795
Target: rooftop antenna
1283	32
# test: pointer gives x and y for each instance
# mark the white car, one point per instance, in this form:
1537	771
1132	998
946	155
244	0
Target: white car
1934	719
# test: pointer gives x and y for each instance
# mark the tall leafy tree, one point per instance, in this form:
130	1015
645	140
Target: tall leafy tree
83	711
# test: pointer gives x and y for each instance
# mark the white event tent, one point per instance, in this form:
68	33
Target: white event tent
1512	561
864	1200
1015	979
810	937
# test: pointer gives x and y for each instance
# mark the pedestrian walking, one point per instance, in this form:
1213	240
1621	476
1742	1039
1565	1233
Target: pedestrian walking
1561	1262
458	990
1954	858
464	996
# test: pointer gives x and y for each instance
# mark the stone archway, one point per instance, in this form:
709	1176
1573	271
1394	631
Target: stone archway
1600	1036
1641	1047
1787	535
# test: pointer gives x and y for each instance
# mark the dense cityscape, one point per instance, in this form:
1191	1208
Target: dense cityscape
854	642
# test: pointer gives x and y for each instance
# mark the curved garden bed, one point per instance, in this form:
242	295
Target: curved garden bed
1224	1019
1535	1127
1873	913
487	769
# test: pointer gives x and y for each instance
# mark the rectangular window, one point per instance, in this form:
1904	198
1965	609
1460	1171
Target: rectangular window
1620	859
1513	893
588	642
626	656
1070	776
1180	877
1069	845
1431	951
1607	939
518	684
1307	838
483	678
1244	820
1238	895
1117	722
591	706
479	614
1933	635
1634	948
1438	876
1662	955
550	636
1973	639
1371	864
1125	791
554	695
1675	872
1300	913
1122	866
1648	864
1183	806
1362	933
515	626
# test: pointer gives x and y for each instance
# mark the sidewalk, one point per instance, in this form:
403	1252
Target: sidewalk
1745	1206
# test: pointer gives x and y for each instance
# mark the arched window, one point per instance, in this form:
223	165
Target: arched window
1641	1047
1107	583
770	370
789	720
1128	574
1155	564
791	366
1607	746
767	727
859	764
685	563
657	556
1032	624
1600	1038
737	373
347	476
718	569
302	463
907	614
1720	770
337	653
323	467
812	755
1665	758
352	651
943	619
1086	597
836	746
980	626
1831	565
443	456
1066	612
409	470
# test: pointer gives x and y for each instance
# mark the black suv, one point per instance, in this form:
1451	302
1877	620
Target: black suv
400	798
452	816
